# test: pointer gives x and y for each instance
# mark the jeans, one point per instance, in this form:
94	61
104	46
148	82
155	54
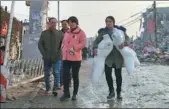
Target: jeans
67	65
55	66
58	73
61	72
109	79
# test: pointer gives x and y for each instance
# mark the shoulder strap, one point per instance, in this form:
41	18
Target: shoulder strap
109	35
111	38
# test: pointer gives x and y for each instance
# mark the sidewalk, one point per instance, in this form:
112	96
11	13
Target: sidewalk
147	88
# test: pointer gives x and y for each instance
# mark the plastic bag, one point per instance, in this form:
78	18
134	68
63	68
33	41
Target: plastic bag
118	37
105	46
136	61
98	68
104	49
128	54
130	59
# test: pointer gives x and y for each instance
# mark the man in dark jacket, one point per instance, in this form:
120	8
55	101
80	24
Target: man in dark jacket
50	48
65	26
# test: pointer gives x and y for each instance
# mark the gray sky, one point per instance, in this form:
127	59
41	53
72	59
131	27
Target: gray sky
91	14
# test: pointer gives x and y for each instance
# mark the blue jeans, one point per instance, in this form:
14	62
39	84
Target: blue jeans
56	67
61	72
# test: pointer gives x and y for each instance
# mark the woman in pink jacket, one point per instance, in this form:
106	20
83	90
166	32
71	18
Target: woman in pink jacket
73	43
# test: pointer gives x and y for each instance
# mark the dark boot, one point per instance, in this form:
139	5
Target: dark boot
119	97
65	97
111	95
74	97
55	92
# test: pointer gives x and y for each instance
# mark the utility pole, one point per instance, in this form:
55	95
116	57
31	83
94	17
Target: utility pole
58	15
7	45
155	22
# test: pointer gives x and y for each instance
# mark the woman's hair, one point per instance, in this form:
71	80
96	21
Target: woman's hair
111	18
73	19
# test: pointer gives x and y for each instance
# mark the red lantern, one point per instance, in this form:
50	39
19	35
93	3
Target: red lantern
151	24
19	26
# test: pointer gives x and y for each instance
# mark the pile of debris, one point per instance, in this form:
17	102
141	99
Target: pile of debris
156	58
147	52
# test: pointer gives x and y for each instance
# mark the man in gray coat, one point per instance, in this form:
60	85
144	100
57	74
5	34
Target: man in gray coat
50	48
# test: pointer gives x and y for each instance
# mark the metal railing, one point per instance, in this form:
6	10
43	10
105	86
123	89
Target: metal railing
24	70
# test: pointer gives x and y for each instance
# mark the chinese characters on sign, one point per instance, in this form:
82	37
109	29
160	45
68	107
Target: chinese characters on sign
35	15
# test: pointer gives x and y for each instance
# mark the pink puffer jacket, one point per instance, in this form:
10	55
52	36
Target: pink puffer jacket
76	40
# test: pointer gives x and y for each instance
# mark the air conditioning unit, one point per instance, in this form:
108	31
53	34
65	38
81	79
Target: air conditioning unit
28	3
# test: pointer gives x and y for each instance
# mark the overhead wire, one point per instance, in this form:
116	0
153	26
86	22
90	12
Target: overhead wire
136	19
140	12
128	18
132	23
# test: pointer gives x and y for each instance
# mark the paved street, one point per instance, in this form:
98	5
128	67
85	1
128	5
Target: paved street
148	87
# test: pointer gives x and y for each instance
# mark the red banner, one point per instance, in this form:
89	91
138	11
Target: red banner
151	25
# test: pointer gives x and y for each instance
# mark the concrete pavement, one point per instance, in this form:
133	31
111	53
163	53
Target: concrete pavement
147	88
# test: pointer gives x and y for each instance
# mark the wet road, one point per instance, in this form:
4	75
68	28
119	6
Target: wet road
148	87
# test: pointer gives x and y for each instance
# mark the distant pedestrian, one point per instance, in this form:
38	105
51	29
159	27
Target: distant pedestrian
50	48
84	53
73	43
